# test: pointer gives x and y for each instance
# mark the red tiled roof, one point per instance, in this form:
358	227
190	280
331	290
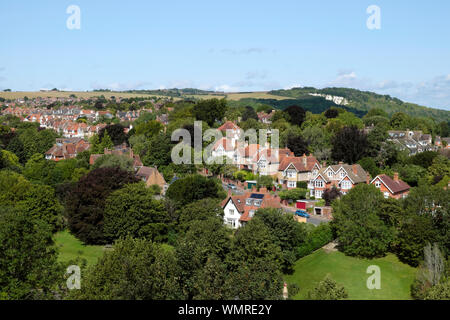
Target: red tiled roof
229	126
225	143
268	201
299	163
394	186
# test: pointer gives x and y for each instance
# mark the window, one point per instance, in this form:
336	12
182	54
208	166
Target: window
231	223
342	173
291	184
257	203
248	202
346	184
377	184
330	174
291	174
231	211
319	193
319	184
386	195
251	213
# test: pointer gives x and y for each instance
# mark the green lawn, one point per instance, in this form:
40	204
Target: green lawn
396	277
70	248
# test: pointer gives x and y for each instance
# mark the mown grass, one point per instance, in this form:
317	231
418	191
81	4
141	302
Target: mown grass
396	277
70	248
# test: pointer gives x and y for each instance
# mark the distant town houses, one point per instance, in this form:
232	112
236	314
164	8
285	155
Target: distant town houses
391	188
64	120
412	141
342	176
239	209
67	149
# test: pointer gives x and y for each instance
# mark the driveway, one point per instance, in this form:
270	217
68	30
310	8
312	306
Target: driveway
313	219
237	191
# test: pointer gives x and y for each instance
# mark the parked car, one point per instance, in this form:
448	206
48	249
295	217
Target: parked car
231	186
302	213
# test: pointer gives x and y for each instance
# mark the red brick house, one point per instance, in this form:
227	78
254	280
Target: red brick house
391	188
293	169
342	176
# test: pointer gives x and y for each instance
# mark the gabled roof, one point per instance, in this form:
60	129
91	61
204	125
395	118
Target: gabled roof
354	172
229	126
226	144
302	164
391	184
151	175
239	201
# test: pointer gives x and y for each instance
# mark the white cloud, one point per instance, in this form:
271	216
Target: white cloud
226	88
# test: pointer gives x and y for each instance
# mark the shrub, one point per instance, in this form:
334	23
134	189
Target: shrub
294	194
316	239
302	185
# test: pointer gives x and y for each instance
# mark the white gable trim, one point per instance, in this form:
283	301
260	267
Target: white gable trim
320	175
378	177
329	168
346	176
290	164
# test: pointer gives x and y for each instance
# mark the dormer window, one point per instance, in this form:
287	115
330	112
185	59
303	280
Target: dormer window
330	174
377	184
342	174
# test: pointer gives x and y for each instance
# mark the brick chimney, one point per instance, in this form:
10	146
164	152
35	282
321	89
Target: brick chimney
396	176
341	163
355	171
305	160
229	193
368	179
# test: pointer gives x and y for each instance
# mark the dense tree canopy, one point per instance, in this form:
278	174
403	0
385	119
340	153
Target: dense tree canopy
296	115
86	202
132	211
349	145
360	230
210	111
28	259
115	132
193	188
137	269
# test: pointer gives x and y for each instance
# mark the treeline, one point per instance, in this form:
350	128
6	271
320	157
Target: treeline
364	101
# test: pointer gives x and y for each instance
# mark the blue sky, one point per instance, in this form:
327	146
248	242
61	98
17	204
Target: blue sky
229	45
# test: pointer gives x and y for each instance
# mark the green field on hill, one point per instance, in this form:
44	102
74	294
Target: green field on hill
396	277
